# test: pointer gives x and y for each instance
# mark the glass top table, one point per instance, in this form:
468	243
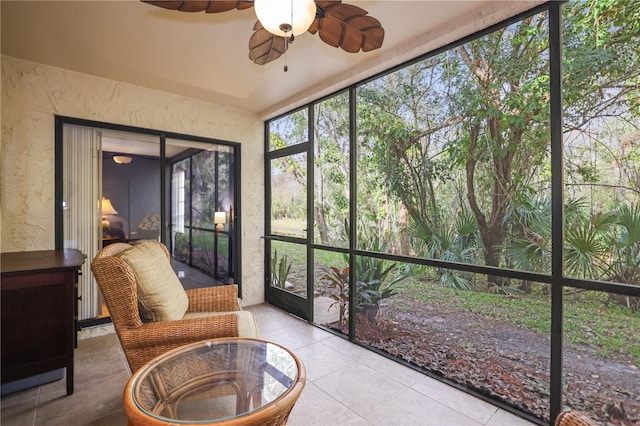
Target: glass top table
220	381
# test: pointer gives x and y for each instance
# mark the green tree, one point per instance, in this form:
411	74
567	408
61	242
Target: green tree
487	104
331	169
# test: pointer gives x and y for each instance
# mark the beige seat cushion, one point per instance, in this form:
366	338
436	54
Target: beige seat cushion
161	296
247	326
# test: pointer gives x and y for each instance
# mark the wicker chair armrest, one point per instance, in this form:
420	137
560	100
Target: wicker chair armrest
150	340
222	298
180	332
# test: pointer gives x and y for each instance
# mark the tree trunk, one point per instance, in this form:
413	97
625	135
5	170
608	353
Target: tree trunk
403	229
492	231
321	223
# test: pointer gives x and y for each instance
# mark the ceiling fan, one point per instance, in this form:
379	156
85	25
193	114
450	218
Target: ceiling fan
338	24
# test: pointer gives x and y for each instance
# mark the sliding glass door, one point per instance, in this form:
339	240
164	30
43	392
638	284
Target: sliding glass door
123	184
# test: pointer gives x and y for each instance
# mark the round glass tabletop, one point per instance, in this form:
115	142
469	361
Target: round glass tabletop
214	380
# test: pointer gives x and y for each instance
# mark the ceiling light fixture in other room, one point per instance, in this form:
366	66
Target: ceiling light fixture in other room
122	159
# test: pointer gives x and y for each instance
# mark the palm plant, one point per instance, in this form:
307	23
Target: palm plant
585	247
530	245
374	282
373	275
459	243
626	243
600	245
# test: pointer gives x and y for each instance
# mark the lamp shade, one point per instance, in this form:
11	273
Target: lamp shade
219	218
285	17
106	207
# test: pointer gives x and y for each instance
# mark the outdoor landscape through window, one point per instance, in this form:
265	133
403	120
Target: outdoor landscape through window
447	262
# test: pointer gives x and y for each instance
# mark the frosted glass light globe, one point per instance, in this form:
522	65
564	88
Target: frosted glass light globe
276	15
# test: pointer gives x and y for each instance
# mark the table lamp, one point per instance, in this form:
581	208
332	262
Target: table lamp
106	208
219	219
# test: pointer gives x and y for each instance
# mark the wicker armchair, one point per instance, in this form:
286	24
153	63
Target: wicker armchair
573	418
143	341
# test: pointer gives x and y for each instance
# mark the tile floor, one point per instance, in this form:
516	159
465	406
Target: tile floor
347	385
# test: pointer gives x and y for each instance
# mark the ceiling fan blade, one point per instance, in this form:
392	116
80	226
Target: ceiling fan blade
265	47
211	6
348	27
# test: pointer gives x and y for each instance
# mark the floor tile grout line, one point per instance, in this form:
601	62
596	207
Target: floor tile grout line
341	403
495	412
35	409
493	407
347	353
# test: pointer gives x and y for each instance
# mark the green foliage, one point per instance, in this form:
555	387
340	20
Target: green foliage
338	280
584	248
419	125
331	169
289	130
459	243
605	245
624	266
602	39
530	246
375	279
280	268
479	114
601	245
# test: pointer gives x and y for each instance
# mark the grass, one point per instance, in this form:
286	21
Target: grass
290	227
590	318
204	240
297	253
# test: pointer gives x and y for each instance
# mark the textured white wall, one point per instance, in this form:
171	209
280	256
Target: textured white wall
33	93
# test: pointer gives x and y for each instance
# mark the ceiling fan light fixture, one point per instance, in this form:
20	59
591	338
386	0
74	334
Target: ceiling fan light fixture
285	17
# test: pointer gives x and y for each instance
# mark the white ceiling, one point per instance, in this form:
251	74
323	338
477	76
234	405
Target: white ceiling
205	56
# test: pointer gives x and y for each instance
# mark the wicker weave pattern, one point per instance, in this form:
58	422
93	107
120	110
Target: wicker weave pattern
173	380
573	418
140	341
214	299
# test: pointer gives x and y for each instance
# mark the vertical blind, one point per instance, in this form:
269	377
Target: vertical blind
81	215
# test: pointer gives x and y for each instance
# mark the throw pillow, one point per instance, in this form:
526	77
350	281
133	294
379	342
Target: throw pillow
161	296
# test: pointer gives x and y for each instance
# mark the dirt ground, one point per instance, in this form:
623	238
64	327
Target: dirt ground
502	360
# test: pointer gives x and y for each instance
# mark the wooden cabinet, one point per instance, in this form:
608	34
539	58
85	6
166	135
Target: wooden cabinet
39	312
